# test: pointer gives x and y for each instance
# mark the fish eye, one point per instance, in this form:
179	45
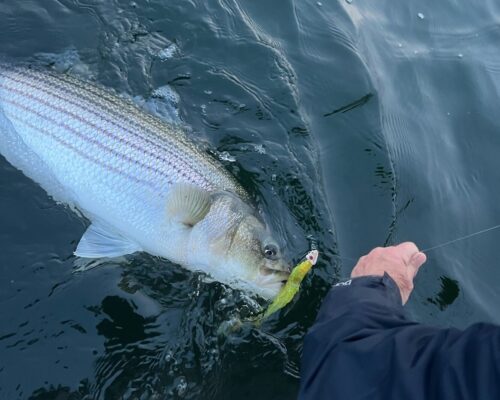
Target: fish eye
271	251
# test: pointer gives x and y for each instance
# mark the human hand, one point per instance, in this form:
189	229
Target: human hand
401	262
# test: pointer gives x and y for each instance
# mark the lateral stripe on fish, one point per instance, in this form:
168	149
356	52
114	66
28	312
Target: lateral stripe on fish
63	96
123	140
81	135
79	152
144	131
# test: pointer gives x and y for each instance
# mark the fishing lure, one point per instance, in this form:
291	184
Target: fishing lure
292	285
284	296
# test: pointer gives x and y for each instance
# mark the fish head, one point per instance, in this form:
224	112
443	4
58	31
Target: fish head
235	246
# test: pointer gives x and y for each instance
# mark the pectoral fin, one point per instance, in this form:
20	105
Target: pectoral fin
188	204
100	241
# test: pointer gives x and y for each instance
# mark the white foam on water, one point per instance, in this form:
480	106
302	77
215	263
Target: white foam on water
226	156
259	148
68	60
168	52
162	103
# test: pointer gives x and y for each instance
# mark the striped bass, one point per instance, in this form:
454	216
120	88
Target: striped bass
142	184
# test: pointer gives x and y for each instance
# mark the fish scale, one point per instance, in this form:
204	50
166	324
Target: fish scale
111	109
122	138
87	138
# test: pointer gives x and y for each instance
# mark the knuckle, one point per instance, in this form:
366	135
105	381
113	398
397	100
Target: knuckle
409	246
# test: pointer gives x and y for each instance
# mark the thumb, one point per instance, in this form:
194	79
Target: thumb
416	262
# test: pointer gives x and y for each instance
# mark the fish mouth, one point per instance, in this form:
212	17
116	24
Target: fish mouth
276	268
272	278
266	270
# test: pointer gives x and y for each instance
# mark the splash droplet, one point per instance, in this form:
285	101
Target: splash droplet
169	356
225	156
259	148
181	386
421	16
168	52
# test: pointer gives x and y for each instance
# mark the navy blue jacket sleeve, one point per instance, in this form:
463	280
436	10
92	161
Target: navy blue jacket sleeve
363	347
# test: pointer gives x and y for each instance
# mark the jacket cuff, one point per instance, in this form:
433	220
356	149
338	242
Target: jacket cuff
381	291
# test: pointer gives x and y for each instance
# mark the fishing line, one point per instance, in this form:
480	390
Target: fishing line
460	238
438	246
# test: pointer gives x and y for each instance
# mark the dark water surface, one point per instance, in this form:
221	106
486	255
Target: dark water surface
357	124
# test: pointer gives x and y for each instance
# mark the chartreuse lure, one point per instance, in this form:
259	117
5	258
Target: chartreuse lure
285	295
292	285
